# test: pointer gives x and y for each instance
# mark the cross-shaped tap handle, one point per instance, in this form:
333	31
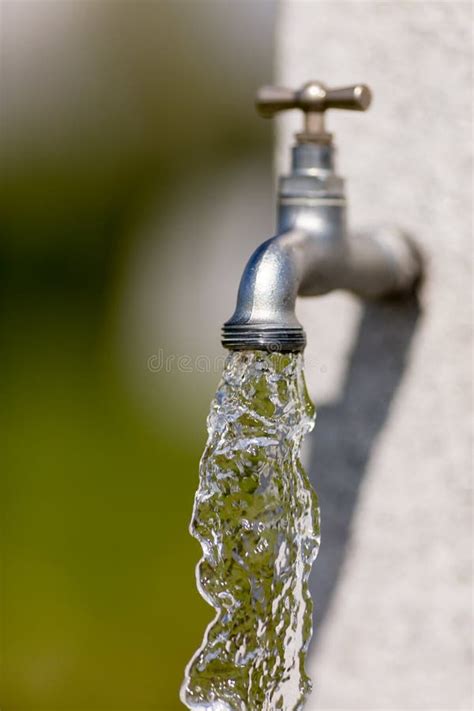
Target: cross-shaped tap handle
313	99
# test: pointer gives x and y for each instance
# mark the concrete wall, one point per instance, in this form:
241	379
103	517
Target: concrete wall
390	455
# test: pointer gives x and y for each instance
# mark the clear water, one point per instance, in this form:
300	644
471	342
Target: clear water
257	519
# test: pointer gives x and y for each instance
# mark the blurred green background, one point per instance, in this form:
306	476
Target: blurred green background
112	114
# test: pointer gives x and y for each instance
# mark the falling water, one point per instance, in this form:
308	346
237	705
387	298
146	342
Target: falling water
256	517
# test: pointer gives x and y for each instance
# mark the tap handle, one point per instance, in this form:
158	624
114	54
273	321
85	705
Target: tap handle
313	99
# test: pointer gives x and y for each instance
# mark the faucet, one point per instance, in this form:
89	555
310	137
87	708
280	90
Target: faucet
312	253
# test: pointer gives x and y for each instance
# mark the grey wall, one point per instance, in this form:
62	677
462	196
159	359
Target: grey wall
390	455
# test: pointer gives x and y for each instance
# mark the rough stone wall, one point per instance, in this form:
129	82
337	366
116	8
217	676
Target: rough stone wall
390	455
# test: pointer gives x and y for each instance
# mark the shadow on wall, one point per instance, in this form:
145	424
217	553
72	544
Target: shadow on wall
346	431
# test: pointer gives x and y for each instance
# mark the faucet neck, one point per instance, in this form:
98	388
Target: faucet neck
311	187
312	158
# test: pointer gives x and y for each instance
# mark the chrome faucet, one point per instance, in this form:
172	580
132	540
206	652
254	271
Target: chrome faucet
312	253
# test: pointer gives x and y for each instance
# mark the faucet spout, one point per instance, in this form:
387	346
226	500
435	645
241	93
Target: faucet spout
301	262
264	317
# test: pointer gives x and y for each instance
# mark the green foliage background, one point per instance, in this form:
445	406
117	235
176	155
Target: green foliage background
99	607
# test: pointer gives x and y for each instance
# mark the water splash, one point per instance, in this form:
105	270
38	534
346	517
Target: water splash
257	519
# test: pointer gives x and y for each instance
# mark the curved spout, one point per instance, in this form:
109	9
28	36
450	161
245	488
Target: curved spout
265	313
311	262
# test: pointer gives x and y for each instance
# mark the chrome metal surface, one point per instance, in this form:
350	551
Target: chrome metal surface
313	98
312	252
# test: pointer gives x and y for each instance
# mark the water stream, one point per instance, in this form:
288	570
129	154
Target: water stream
257	519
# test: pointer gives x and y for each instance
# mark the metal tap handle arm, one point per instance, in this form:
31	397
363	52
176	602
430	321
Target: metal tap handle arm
312	97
